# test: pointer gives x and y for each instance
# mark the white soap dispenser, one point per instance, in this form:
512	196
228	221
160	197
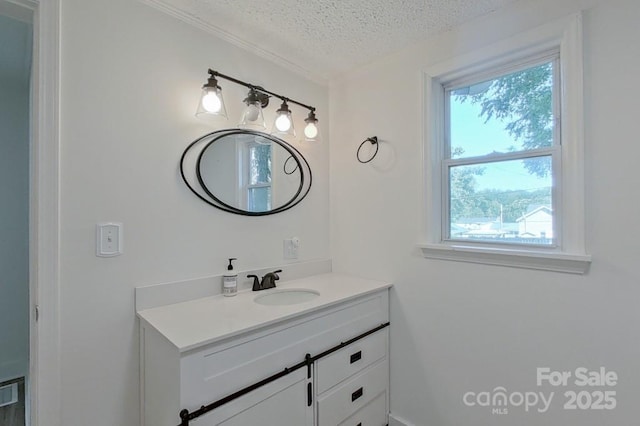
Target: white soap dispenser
230	281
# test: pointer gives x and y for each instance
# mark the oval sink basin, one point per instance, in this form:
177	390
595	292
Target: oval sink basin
291	296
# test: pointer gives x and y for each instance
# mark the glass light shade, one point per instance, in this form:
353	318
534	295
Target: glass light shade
311	132
252	117
311	129
211	103
283	122
283	125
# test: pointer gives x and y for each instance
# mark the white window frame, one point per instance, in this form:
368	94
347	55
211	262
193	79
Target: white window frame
244	177
552	151
568	255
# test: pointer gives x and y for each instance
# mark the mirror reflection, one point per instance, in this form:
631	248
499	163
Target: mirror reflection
246	172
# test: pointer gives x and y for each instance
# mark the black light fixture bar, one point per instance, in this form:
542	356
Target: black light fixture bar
259	89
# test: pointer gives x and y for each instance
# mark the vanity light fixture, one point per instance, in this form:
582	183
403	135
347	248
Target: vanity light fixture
211	100
283	124
212	104
311	129
252	117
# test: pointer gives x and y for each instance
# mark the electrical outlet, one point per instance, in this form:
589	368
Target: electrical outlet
291	248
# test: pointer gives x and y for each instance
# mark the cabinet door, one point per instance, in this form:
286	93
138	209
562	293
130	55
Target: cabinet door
282	402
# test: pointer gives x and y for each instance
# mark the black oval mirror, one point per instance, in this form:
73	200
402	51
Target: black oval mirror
246	172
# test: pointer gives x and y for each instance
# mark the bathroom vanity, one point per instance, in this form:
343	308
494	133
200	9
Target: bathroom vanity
313	351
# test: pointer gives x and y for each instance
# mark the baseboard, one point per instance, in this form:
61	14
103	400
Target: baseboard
398	421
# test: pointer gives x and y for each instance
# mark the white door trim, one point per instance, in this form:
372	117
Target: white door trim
44	368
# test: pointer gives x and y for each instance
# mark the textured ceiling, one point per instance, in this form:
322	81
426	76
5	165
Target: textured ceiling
329	37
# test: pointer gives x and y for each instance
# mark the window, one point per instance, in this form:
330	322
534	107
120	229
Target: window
504	153
256	181
501	155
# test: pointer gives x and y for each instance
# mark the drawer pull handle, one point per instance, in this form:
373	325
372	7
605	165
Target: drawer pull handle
356	357
357	394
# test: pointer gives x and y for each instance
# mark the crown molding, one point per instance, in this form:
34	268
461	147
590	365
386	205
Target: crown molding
236	41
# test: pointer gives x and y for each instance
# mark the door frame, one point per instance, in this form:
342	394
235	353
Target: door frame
44	214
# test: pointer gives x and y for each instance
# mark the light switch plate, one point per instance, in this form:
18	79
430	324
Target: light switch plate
291	248
109	239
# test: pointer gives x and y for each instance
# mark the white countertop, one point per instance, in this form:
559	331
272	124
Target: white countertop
191	324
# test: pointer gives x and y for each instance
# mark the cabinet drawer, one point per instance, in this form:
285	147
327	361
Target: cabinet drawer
372	414
350	360
337	405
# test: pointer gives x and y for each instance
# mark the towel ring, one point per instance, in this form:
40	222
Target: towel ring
374	141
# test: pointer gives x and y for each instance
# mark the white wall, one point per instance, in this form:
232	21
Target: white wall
131	79
14	197
459	327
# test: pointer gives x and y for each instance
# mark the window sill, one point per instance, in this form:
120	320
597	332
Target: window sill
527	259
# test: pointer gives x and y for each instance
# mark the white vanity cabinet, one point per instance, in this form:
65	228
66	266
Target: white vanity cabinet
281	402
347	383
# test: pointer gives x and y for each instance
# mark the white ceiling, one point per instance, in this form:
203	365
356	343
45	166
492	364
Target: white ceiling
325	38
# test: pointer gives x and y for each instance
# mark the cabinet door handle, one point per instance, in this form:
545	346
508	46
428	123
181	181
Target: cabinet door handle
356	357
357	394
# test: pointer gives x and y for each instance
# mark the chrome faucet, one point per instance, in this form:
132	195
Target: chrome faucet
268	281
